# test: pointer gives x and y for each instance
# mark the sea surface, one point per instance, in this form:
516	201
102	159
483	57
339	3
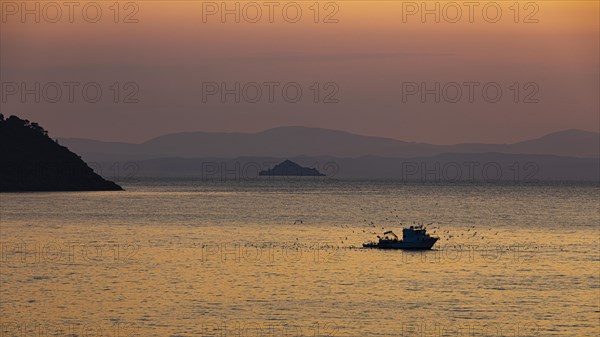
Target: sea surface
283	257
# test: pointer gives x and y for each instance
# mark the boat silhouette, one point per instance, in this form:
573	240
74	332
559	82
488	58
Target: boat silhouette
413	238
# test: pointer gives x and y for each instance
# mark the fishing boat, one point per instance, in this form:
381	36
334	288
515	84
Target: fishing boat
413	238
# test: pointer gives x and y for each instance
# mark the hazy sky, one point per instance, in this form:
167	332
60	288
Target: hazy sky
367	63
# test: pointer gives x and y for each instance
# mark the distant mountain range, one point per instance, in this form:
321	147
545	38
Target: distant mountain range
285	142
486	167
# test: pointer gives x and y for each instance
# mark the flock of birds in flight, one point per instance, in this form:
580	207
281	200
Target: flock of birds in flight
470	233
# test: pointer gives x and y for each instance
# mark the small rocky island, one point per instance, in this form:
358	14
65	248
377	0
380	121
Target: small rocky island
32	161
288	168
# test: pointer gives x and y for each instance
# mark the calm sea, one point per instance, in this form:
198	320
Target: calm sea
283	257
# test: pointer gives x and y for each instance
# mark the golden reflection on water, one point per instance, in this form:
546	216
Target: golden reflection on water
233	263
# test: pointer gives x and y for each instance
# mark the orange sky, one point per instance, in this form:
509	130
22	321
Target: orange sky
370	52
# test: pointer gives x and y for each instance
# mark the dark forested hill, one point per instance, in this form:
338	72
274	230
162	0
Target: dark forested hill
32	161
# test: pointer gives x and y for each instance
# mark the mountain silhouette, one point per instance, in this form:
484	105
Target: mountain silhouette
285	142
288	168
444	167
31	161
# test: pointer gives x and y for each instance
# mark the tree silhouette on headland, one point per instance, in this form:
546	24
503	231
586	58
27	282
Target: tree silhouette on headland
32	161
